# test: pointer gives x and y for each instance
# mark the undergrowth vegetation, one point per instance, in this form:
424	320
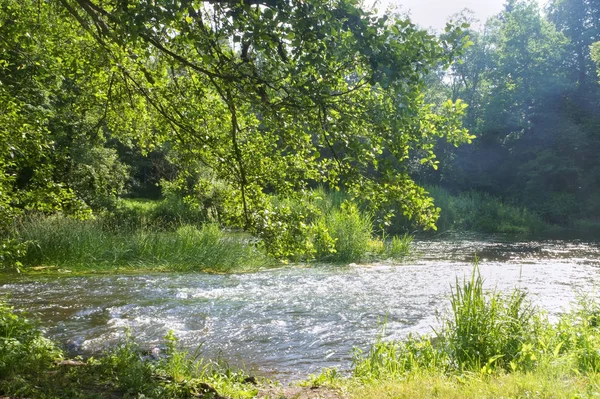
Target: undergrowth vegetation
171	235
481	212
92	244
23	349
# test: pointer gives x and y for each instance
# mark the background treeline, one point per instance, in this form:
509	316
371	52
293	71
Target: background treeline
534	104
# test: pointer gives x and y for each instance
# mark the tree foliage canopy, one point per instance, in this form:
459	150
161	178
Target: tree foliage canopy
266	98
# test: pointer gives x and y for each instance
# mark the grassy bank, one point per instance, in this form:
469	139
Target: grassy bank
170	236
488	345
480	212
95	245
546	384
32	366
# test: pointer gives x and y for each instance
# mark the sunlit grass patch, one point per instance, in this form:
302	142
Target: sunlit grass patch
535	385
399	246
89	244
351	230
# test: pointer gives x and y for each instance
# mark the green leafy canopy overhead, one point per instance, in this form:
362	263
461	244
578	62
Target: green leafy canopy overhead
271	96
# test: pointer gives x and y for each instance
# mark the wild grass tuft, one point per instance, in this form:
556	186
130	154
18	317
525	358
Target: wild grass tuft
399	246
351	231
83	244
396	359
486	329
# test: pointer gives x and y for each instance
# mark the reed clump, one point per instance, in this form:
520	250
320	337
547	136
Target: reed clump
95	244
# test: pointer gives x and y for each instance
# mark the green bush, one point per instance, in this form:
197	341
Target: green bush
287	229
315	227
23	349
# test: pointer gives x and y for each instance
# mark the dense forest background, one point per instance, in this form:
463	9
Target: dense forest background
533	96
234	110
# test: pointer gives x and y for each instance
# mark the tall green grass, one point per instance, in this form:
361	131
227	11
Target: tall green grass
399	246
350	229
319	226
324	227
487	329
480	212
92	244
396	359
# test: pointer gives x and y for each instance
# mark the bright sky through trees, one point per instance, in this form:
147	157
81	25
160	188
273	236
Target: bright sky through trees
435	13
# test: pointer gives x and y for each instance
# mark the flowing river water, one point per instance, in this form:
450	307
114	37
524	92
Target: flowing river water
290	322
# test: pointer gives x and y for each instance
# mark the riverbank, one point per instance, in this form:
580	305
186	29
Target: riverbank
169	236
489	346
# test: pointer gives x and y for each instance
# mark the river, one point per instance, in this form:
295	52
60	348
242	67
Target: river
290	322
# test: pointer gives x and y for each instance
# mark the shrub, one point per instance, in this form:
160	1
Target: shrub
23	349
315	227
351	230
